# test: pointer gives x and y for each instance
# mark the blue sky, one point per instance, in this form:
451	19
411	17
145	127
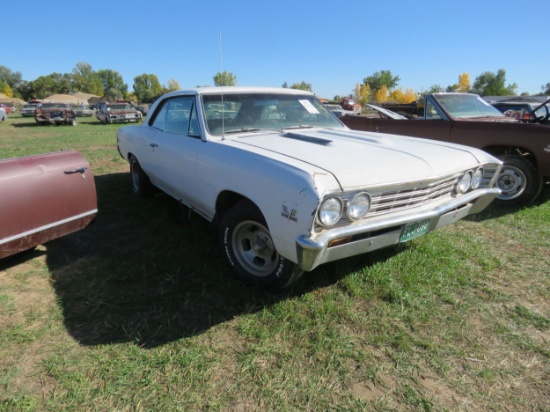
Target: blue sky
330	44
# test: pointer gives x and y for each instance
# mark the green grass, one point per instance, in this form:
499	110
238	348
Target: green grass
138	312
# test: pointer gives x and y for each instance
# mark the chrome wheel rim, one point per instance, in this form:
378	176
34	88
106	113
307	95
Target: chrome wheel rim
254	248
512	181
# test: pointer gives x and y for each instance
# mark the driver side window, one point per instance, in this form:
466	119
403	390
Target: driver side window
174	115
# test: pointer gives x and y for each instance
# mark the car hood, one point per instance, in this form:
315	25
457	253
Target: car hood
361	158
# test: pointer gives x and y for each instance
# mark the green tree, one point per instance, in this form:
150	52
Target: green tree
546	89
491	84
381	78
12	79
172	86
113	84
45	86
225	79
147	87
302	86
86	80
436	88
24	91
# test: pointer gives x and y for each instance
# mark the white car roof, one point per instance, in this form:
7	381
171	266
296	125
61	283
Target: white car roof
238	89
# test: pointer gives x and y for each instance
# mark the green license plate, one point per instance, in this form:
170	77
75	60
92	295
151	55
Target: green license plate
414	229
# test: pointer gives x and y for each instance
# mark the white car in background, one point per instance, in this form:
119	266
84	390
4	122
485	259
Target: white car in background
289	187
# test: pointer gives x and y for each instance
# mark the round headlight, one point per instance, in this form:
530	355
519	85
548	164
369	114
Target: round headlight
465	182
359	206
477	178
330	211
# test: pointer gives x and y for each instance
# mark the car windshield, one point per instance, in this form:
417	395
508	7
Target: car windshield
53	106
252	112
119	107
466	105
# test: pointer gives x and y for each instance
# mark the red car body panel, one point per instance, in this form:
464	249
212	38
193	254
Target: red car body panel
44	197
534	138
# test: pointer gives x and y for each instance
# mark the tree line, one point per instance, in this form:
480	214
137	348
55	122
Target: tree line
379	87
382	86
103	83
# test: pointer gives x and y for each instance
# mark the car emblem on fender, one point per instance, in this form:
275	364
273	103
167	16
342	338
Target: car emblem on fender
289	216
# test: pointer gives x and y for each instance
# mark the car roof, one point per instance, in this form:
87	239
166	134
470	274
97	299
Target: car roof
237	89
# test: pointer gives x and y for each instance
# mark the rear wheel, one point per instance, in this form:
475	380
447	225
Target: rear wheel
248	248
141	185
519	181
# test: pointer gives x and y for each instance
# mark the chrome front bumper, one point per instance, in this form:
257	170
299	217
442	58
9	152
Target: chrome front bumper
385	231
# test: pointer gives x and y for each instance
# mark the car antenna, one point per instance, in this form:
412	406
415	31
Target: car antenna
223	105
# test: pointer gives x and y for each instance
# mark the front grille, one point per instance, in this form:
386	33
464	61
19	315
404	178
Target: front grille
402	199
391	201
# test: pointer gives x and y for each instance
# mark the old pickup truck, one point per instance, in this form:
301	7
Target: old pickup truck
44	197
288	187
468	119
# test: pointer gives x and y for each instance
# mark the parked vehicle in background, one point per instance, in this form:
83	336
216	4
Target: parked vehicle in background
524	111
28	110
55	113
143	108
50	195
289	187
108	113
468	119
3	115
82	111
348	103
339	111
6	108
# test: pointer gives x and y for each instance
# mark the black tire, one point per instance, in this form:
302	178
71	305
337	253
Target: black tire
248	248
519	181
141	185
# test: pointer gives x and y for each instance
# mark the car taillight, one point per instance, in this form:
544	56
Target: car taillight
527	116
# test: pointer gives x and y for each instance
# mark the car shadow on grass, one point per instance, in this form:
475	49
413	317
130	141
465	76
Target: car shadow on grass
147	271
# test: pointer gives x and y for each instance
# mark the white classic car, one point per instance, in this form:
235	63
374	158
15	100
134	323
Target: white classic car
289	187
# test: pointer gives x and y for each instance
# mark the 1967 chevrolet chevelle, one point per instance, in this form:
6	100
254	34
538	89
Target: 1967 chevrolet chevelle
289	187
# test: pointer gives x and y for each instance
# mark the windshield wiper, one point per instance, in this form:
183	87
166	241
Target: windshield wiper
301	126
242	130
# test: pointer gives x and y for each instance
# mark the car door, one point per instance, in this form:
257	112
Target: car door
44	197
175	144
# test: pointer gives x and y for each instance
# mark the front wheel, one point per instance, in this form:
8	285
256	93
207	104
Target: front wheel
248	248
519	181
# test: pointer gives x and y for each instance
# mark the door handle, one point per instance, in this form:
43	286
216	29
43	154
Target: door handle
73	171
81	170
